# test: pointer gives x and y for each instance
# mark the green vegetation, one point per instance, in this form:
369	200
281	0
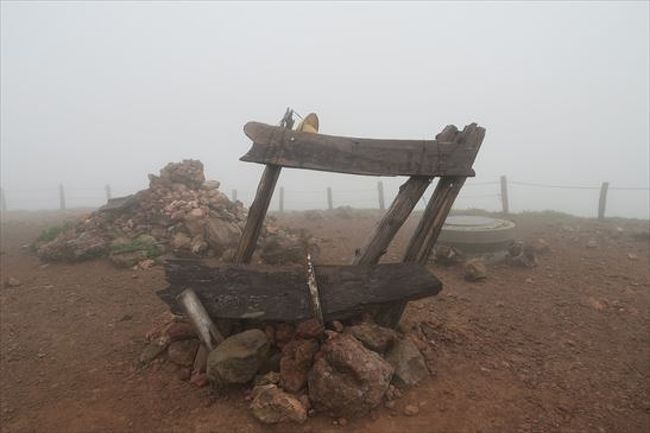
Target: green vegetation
142	243
50	233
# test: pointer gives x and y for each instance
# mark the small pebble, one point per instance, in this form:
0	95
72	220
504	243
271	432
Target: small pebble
337	326
13	282
411	410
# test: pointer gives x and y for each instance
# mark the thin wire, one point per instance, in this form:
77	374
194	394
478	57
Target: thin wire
480	183
460	196
541	185
630	188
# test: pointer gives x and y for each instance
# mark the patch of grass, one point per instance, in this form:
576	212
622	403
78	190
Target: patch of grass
137	244
50	233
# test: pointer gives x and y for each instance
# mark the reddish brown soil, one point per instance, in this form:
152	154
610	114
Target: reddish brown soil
564	347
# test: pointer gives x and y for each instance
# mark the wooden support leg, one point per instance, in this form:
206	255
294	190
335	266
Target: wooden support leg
390	315
427	231
256	214
425	237
408	196
260	205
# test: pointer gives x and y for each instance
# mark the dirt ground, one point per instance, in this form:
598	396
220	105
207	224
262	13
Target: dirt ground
564	347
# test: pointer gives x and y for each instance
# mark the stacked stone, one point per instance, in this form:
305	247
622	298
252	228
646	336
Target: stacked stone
293	372
179	213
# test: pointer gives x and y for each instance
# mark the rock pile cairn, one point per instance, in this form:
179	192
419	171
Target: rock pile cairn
180	213
291	372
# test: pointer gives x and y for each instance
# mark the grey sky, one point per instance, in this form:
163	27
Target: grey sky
106	92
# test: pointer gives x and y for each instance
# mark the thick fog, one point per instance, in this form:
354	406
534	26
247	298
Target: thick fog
97	93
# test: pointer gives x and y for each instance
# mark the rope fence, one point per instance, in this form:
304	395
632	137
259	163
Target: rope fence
496	196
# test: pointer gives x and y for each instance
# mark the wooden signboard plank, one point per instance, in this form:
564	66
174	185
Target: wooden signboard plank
378	157
246	292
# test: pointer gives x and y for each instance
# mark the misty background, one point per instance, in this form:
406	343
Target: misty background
97	93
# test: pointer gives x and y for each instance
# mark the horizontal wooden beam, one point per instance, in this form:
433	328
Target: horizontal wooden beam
376	157
247	292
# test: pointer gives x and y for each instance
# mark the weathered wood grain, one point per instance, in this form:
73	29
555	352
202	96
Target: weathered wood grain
280	146
257	213
244	292
409	194
433	218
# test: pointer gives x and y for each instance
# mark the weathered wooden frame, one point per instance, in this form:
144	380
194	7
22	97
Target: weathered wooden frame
450	157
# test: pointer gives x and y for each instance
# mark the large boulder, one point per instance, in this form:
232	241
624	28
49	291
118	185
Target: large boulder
276	249
181	242
408	362
374	337
195	222
295	363
271	405
347	379
238	358
221	234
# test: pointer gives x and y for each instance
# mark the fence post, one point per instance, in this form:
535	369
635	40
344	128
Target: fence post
602	201
380	192
281	199
108	192
61	197
504	195
330	205
234	195
3	200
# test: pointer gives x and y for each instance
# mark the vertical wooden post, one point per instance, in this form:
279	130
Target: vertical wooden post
61	197
260	205
602	201
234	195
505	206
3	199
281	199
380	192
330	204
256	214
108	192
